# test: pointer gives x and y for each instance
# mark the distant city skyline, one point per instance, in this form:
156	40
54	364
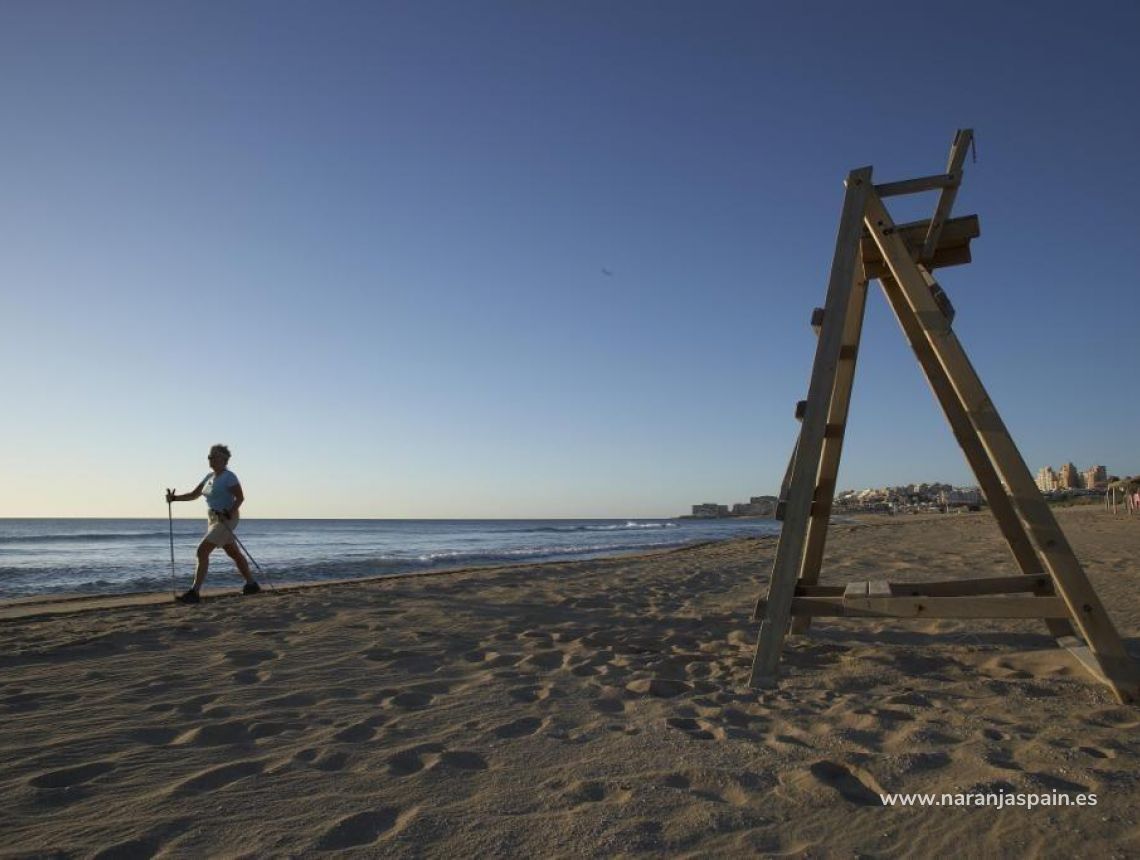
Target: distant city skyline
447	260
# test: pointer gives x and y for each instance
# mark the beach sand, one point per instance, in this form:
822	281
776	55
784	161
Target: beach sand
574	709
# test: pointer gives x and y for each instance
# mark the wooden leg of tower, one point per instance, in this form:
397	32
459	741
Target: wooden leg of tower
833	442
802	492
1087	612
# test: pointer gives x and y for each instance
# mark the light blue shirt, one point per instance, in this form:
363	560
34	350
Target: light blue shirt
218	490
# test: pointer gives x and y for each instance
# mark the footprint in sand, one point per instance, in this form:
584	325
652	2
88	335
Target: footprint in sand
543	661
415	662
918	762
272	728
331	762
322	759
70	776
462	760
216	734
698	730
217	777
191	706
362	828
595	791
519	728
412	700
249	676
21	702
291	700
529	693
148	845
854	785
661	688
1098	752
607	705
414	759
590	791
1116	718
245	657
356	733
433	757
155	736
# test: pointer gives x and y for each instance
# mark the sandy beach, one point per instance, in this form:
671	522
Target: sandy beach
573	709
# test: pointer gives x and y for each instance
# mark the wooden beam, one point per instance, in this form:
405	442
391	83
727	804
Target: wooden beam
960	607
793	535
943	258
931	607
946	199
923	183
1040	584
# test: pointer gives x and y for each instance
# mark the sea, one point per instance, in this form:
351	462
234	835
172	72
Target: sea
118	556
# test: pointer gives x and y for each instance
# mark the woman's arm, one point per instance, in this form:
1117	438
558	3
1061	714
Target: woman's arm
172	496
239	498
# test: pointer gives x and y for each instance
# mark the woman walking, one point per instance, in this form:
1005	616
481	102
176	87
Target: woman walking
224	497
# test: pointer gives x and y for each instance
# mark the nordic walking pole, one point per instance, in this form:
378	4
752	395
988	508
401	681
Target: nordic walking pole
170	518
233	534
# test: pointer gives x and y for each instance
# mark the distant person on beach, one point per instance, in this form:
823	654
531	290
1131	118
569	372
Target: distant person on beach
223	498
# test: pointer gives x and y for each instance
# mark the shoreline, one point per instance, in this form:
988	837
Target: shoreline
33	606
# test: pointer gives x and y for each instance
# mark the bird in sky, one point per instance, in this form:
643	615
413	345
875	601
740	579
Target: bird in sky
607	272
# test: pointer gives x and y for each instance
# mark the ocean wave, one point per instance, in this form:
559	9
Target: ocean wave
533	552
609	527
80	537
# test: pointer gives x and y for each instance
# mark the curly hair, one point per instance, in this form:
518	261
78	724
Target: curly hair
221	449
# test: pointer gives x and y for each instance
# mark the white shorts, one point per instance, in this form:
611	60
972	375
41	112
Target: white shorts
220	532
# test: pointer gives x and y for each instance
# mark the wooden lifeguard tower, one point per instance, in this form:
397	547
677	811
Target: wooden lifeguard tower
1053	585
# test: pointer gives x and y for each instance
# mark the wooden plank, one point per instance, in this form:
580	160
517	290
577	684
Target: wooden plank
854	590
959	607
833	434
1040	584
793	535
820	590
879	588
957	233
1085	608
943	258
946	199
935	607
914	186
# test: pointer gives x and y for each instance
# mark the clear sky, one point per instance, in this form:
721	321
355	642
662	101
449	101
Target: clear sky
363	244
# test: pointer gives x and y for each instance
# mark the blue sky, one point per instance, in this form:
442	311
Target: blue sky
363	244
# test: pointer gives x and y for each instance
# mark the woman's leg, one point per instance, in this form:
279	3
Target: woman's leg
204	550
242	565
